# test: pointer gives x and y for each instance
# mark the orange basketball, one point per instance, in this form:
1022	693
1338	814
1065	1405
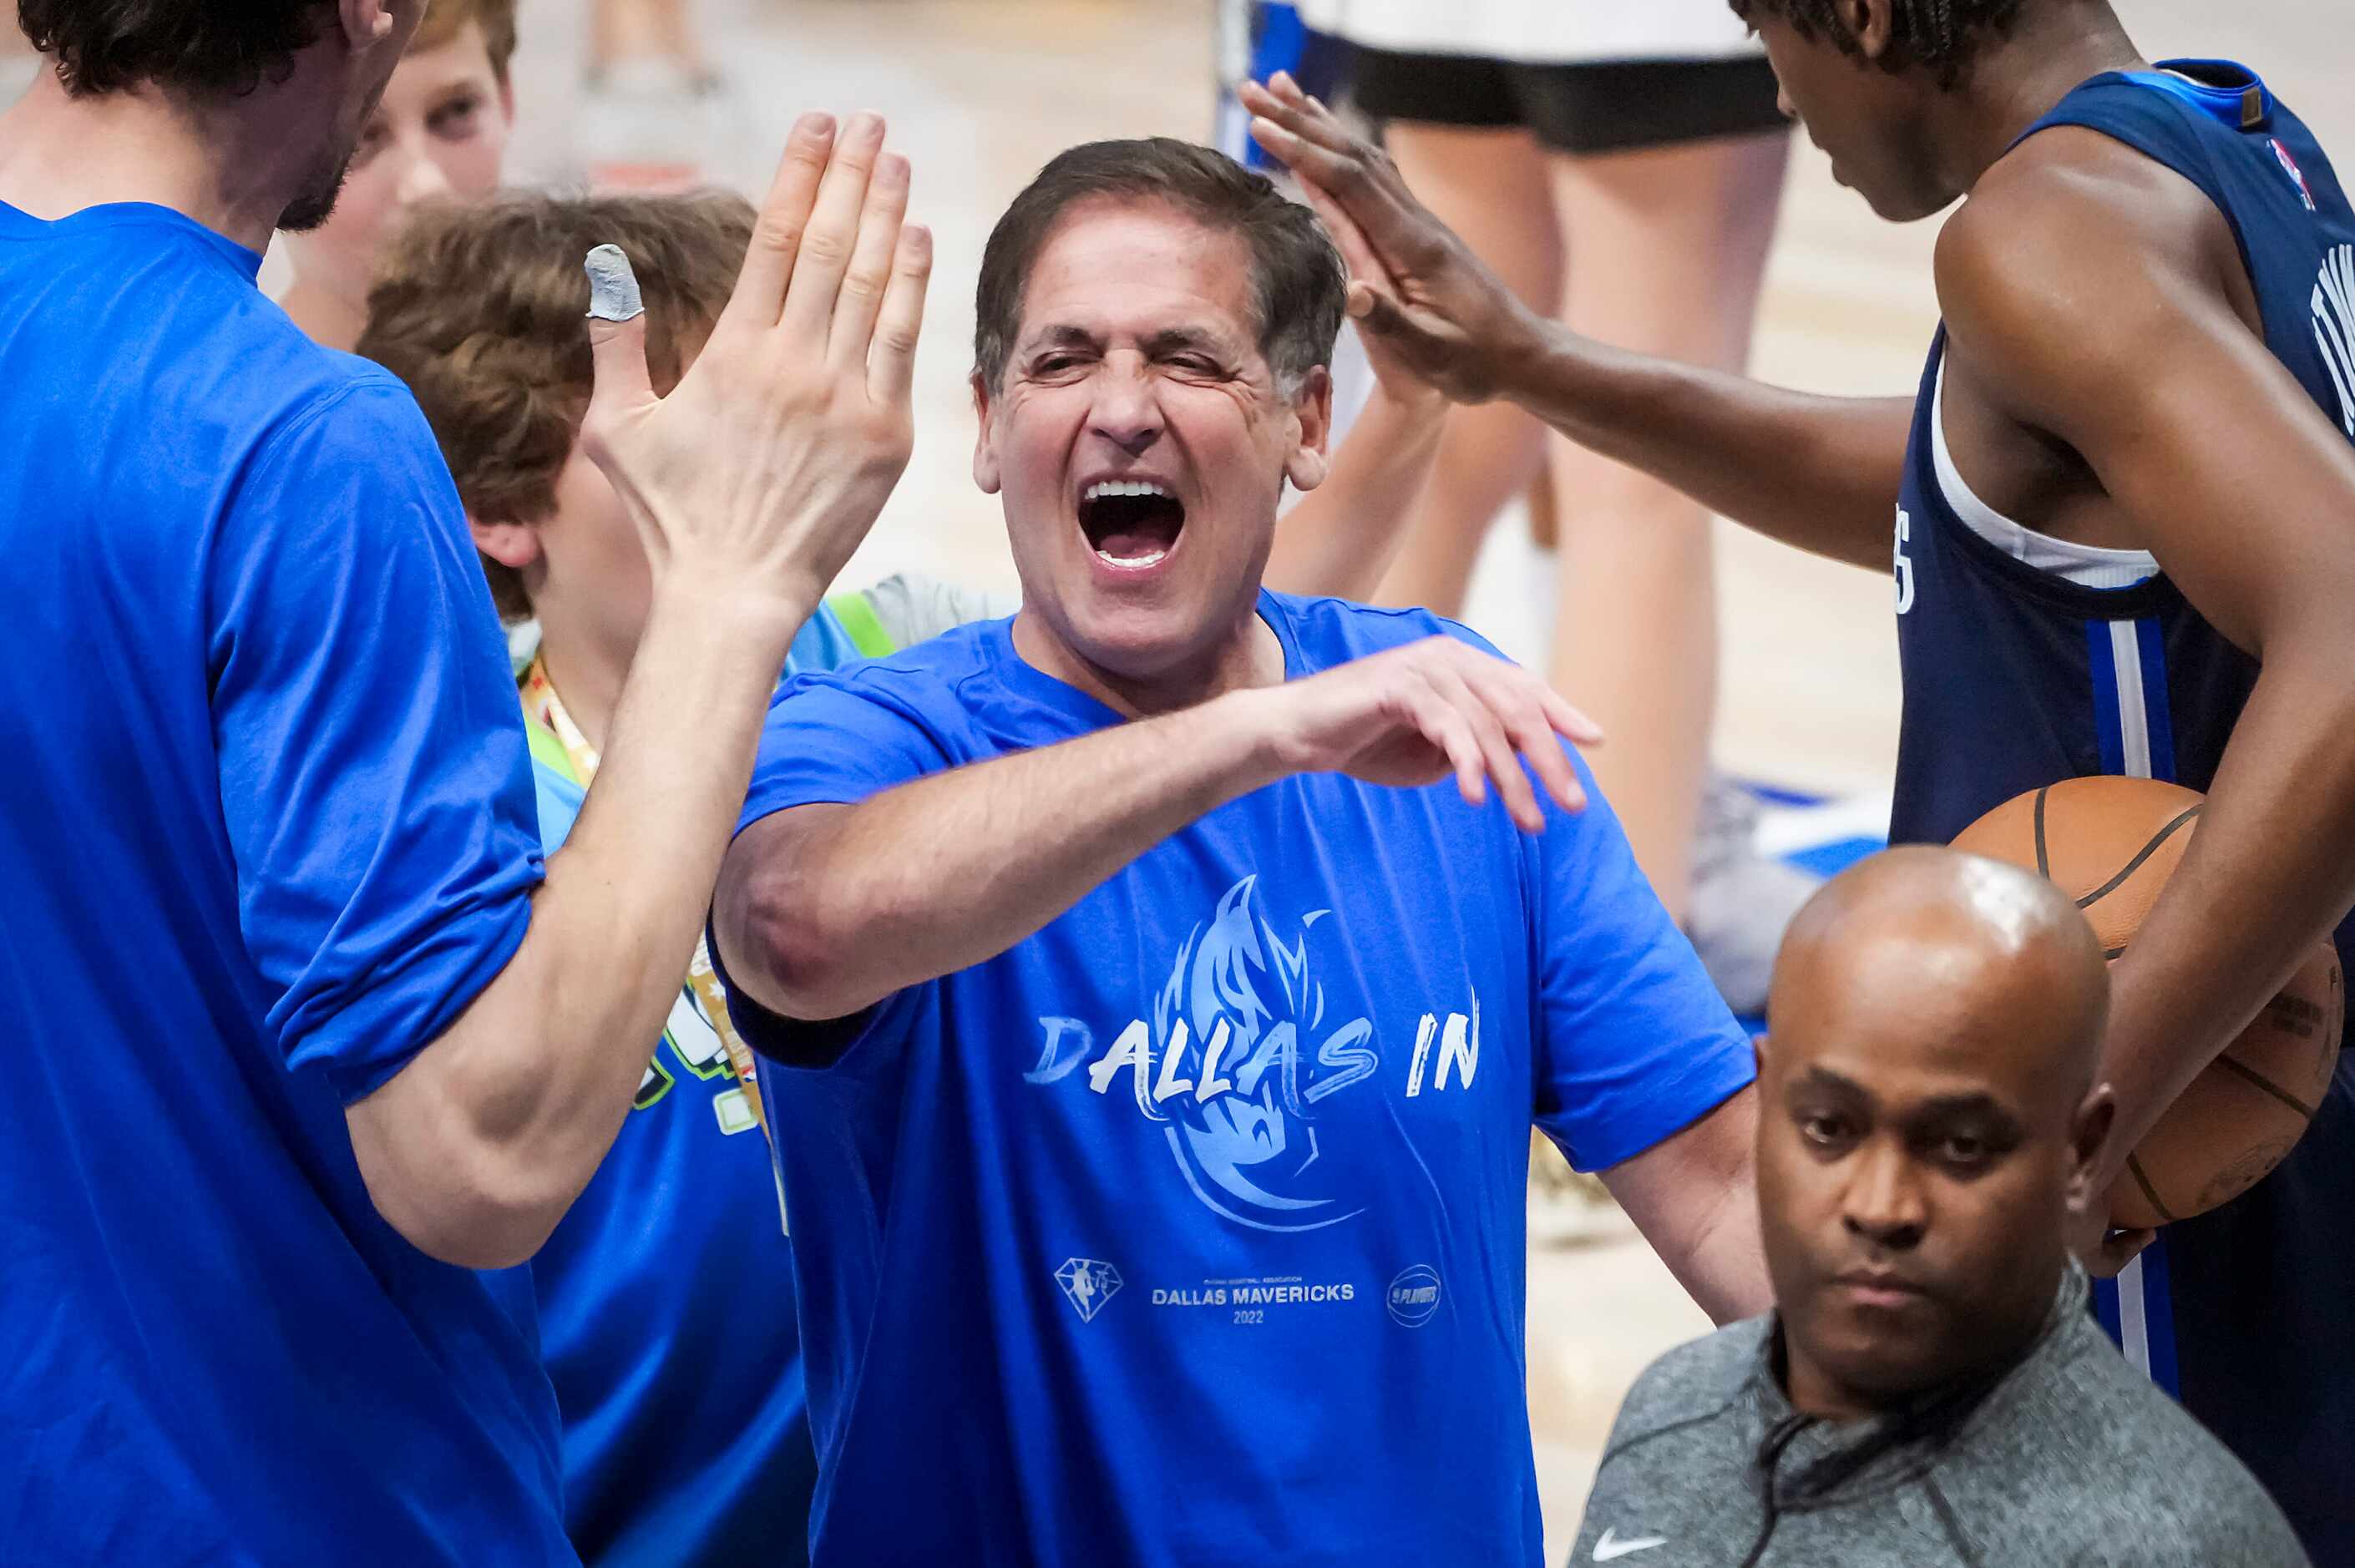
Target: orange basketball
2111	843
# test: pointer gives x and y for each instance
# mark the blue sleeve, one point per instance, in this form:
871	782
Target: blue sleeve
1635	1043
833	739
373	772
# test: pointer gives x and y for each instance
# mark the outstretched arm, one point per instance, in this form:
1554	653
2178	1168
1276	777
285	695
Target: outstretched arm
2093	306
824	910
1821	474
751	483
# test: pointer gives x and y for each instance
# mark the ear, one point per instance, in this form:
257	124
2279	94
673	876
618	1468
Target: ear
367	23
1312	408
1871	23
511	544
1759	1050
984	447
2089	1133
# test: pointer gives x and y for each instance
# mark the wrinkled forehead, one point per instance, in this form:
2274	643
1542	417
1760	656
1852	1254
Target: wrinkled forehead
1121	272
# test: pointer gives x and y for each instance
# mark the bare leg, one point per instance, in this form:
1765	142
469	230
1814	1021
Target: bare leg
1491	188
1667	249
622	31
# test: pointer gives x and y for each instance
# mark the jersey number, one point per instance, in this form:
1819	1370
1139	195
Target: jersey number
1905	567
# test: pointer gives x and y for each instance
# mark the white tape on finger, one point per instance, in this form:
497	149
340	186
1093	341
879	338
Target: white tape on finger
613	286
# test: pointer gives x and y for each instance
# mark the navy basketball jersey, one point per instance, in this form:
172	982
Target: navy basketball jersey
2027	661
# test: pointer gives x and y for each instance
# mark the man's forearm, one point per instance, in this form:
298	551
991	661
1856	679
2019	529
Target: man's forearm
1341	537
2269	874
824	910
478	1147
1819	474
1724	1269
1695	1198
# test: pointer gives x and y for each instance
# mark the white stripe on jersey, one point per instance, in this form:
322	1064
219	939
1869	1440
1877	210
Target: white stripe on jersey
2134	712
2134	1327
2134	745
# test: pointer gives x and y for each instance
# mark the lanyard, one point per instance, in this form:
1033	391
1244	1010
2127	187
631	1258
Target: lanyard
541	702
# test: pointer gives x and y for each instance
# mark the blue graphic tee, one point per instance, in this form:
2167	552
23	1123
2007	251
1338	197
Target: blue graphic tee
265	830
1191	1229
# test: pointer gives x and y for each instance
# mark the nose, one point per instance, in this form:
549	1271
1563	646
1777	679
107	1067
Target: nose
1126	412
421	179
1883	1203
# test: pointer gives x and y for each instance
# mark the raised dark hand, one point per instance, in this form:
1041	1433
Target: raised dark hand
1416	290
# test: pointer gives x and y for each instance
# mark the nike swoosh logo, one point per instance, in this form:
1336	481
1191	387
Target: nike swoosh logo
1610	1549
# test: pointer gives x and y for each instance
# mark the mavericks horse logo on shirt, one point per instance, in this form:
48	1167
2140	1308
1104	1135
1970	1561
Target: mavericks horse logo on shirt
1242	1047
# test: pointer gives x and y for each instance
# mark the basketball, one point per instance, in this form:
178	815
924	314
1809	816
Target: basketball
2111	843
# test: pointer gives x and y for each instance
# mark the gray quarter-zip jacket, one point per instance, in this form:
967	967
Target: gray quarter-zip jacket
2071	1457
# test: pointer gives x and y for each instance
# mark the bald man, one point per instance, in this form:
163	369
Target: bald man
1931	1389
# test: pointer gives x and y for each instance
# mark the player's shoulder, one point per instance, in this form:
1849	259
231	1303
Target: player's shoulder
238	354
2068	209
1331	631
1695	1382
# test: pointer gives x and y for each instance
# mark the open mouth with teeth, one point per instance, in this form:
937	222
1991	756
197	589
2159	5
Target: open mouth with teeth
1131	523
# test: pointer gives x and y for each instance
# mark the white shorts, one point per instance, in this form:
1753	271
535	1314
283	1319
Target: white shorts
1539	32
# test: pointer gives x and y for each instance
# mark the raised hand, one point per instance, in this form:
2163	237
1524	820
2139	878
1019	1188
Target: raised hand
1415	288
1415	715
765	466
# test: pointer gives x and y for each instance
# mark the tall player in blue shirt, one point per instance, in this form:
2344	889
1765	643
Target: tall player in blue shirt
2124	534
279	948
1157	1034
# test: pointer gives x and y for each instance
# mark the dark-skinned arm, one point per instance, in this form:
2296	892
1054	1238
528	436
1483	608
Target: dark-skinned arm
1821	473
2090	303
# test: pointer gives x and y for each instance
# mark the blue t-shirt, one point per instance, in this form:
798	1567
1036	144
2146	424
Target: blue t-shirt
1191	1229
265	830
666	1293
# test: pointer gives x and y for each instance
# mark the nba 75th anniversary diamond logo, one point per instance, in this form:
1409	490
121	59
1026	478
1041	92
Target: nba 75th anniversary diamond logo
1088	1284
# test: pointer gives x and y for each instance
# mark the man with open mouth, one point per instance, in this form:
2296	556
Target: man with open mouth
1155	1001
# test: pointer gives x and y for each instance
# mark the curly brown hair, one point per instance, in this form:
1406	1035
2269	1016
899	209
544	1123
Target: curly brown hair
482	310
107	46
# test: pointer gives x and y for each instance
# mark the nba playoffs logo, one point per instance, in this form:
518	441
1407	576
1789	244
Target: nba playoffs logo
1413	1296
1088	1284
2289	167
